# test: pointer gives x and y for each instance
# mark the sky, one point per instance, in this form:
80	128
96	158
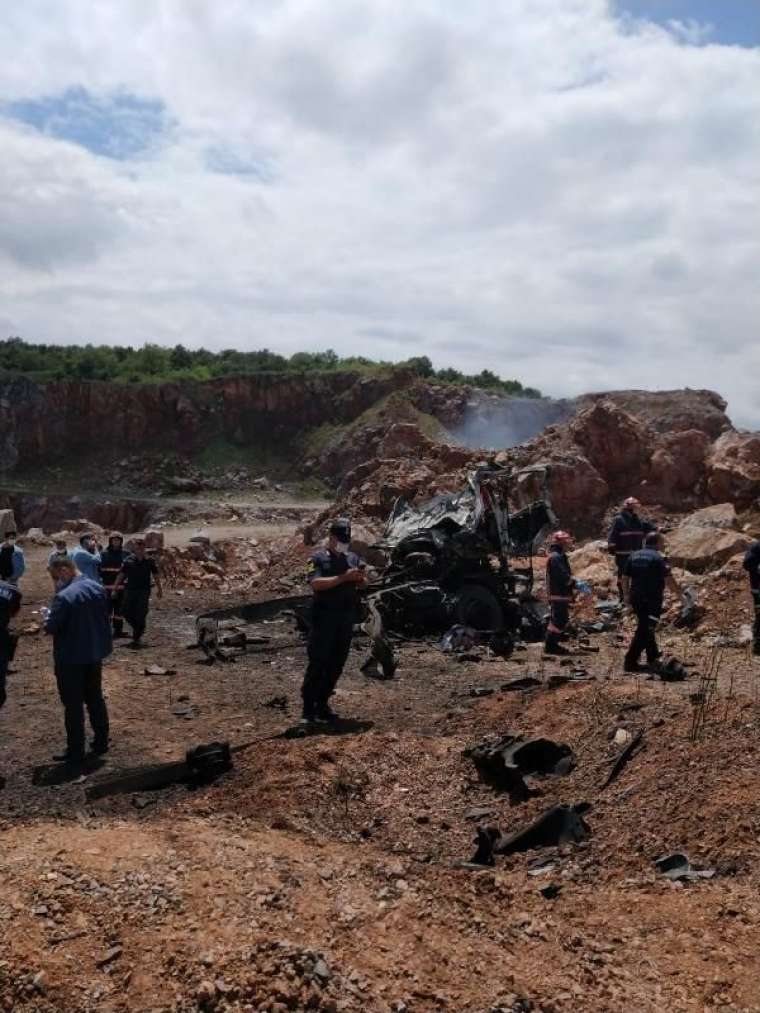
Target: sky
566	192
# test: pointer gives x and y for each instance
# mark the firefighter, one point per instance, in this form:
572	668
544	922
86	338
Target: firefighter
138	573
335	574
752	566
646	574
560	586
111	563
626	536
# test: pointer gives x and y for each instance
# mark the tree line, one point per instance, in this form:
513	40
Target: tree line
152	363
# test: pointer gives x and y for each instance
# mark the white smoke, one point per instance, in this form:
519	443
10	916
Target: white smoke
495	423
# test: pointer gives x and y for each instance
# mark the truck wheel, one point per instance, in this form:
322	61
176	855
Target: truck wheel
479	608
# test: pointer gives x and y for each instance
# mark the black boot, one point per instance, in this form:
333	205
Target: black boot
631	664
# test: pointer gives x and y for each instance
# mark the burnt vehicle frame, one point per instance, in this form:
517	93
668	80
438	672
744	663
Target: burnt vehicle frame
463	558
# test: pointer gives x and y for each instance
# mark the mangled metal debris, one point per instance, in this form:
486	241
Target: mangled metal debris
505	763
677	867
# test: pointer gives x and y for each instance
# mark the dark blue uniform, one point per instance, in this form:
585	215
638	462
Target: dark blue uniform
10	602
81	632
752	566
648	571
626	536
111	564
560	584
334	613
138	577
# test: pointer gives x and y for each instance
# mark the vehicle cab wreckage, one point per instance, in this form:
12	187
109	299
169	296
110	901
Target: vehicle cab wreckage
460	560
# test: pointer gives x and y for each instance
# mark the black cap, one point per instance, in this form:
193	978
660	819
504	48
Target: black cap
341	528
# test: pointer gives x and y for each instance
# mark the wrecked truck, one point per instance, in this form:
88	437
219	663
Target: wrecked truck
460	559
463	559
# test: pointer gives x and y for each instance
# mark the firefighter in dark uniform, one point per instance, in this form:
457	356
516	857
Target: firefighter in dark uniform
111	563
335	574
646	573
752	566
626	536
10	603
560	588
137	575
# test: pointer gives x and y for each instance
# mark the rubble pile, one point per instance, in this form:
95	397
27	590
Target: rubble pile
236	566
177	474
280	975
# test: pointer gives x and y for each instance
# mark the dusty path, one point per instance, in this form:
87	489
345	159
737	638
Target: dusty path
347	845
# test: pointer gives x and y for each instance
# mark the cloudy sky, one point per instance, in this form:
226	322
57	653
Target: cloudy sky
564	191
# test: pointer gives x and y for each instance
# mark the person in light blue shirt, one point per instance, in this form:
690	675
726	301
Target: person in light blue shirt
15	555
87	558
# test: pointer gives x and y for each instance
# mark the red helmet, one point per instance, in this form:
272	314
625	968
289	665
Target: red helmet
561	537
632	502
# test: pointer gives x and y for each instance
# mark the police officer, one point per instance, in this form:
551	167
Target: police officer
111	564
560	587
626	536
646	573
752	566
335	574
11	553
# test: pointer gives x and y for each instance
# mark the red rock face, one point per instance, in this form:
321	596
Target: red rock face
733	469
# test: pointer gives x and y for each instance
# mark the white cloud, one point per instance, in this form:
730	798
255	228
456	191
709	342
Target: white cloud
534	187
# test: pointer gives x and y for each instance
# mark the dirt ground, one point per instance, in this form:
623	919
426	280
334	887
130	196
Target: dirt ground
321	873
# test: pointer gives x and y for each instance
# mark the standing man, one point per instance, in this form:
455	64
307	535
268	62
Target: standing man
335	574
12	554
10	603
752	566
560	587
87	558
626	536
111	562
78	623
645	576
60	549
138	572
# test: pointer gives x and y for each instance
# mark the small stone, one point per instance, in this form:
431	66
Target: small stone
39	982
322	971
206	993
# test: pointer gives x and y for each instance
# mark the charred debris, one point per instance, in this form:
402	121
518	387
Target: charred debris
459	560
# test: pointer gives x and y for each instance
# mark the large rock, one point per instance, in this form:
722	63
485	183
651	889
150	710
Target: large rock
578	493
676	469
697	548
733	469
616	444
722	515
7	522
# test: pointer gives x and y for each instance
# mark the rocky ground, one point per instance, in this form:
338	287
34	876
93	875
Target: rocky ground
322	873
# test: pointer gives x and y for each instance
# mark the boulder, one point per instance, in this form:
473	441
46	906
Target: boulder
733	469
7	522
589	555
615	443
677	469
36	536
154	539
721	515
697	548
578	493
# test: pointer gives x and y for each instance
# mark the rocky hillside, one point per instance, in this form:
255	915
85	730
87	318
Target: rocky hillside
672	449
46	423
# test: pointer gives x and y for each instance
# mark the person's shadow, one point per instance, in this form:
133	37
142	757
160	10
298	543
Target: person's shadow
50	775
343	726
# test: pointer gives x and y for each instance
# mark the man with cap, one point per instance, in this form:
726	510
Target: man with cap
87	558
752	565
138	574
646	574
78	622
560	588
626	536
12	555
335	574
111	564
60	549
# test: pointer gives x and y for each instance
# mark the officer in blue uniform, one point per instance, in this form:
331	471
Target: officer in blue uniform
646	574
335	574
752	566
10	602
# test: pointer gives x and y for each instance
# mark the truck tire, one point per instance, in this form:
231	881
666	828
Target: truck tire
479	608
